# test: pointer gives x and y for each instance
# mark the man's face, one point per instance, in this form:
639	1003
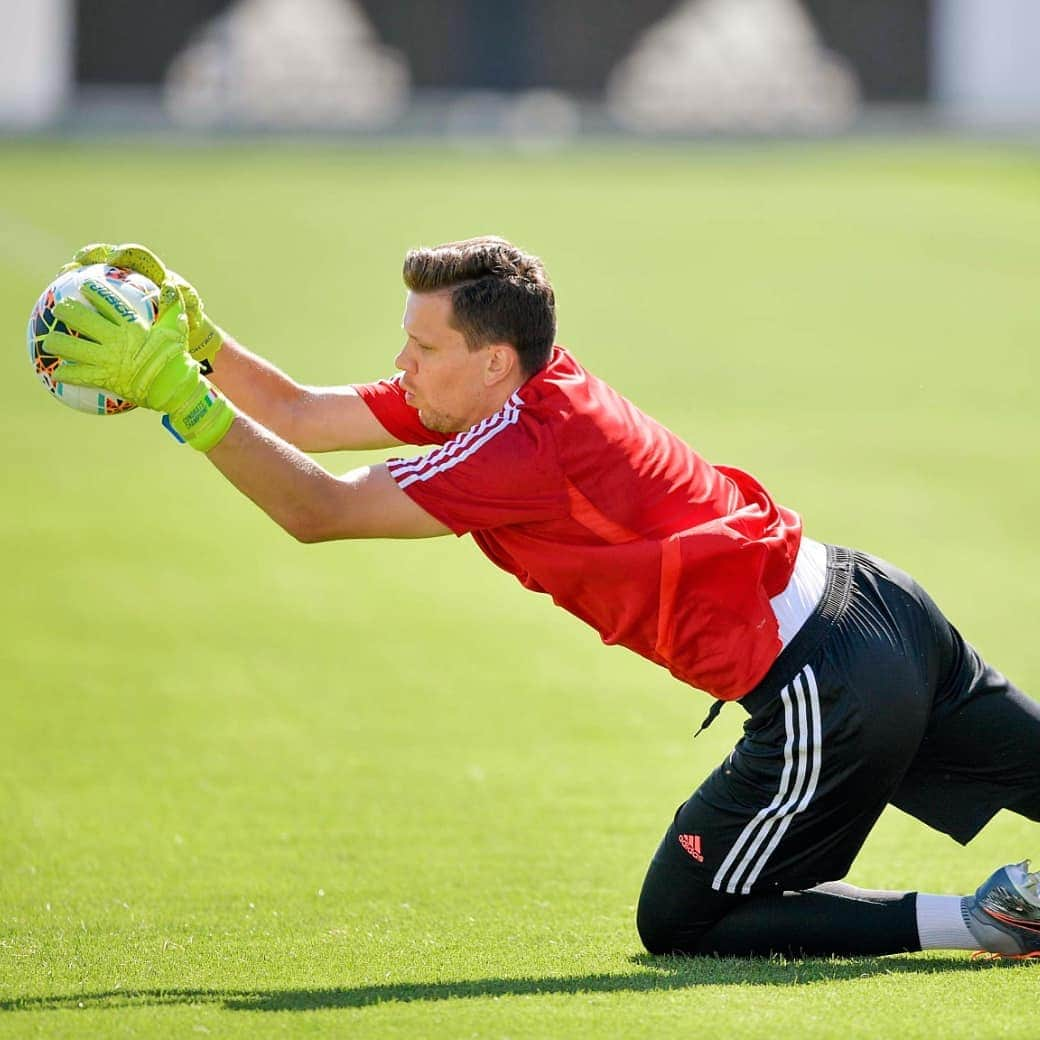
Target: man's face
443	378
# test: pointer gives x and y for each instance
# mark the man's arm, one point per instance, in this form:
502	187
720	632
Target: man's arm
108	346
308	501
313	418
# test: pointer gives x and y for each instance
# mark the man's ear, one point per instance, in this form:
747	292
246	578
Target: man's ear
502	363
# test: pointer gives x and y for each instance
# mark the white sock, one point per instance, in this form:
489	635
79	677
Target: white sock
941	925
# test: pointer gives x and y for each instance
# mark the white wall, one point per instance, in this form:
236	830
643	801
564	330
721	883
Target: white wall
35	60
986	57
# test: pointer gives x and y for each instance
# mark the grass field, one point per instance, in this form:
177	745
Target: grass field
253	788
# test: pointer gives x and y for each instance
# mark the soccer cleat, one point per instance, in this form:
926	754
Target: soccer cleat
1004	913
985	955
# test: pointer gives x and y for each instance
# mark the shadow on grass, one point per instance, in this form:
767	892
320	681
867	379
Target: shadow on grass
657	973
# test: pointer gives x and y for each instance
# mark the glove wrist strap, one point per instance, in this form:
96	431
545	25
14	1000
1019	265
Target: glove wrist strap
204	417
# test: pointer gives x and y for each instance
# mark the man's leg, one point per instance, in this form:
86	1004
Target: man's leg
678	913
741	868
979	755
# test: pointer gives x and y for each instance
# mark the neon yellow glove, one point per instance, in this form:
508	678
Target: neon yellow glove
205	337
146	365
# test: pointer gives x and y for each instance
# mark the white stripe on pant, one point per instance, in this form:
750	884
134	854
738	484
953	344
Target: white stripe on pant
803	759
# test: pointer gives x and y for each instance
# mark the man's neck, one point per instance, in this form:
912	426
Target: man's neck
495	402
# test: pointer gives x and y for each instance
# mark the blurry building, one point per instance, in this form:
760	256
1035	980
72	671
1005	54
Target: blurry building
723	66
674	65
309	64
987	59
36	61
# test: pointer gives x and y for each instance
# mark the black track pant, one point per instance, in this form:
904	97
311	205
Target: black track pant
877	700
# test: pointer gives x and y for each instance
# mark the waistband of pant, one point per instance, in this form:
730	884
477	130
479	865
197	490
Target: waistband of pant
793	657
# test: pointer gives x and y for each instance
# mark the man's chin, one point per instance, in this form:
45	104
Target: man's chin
436	423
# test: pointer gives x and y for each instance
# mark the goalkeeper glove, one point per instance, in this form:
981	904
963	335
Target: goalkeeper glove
205	337
112	348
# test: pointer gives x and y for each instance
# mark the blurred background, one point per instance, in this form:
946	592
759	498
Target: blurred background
526	68
805	234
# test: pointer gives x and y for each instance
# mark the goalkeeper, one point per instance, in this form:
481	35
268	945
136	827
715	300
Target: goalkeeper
859	692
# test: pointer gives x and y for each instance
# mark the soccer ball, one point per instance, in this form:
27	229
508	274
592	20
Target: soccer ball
141	293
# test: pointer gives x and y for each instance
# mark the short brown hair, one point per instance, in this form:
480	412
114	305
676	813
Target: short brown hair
499	294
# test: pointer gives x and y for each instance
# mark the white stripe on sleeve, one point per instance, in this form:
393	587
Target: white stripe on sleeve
408	471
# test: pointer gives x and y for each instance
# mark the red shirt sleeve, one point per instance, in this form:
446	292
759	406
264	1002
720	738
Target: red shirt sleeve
500	472
386	400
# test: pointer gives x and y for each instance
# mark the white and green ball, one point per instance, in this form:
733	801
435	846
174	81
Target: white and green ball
141	293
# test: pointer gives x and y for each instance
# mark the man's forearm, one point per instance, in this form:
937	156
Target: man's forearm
287	485
258	388
308	501
327	418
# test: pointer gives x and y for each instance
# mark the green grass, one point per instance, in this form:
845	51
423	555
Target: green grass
254	788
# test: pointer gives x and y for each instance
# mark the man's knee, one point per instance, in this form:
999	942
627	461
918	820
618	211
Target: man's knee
658	929
676	907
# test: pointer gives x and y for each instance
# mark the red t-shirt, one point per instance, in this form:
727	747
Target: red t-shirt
579	494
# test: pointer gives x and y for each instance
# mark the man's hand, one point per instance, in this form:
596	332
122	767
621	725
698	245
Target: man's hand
146	365
205	337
